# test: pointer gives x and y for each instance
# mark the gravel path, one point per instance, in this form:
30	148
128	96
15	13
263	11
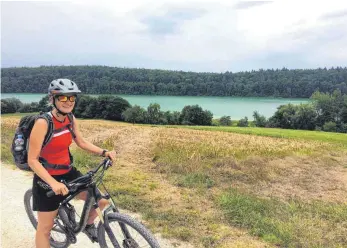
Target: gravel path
16	229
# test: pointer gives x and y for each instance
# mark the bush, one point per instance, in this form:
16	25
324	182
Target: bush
329	126
172	118
225	121
29	107
103	107
259	120
305	117
329	107
85	107
195	115
154	115
243	122
135	114
343	128
284	117
10	105
44	104
91	109
111	107
6	108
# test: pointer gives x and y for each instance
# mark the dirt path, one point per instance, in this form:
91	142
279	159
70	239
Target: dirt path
16	229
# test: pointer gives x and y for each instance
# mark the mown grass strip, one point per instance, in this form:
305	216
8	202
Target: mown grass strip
336	138
287	224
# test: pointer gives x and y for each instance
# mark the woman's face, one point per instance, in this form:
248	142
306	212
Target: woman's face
65	103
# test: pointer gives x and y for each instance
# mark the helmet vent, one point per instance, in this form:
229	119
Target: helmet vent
61	83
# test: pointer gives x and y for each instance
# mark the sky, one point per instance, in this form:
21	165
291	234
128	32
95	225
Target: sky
189	35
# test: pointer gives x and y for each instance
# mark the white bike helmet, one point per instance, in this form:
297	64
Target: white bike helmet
63	86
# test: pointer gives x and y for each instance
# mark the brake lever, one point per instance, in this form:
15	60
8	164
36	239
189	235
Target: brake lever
64	182
73	187
108	163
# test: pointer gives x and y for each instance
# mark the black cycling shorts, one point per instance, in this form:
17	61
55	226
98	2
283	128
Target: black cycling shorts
43	203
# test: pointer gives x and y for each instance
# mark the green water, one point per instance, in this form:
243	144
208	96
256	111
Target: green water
235	107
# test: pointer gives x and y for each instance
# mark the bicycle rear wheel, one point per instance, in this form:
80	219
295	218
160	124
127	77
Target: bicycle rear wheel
58	236
140	235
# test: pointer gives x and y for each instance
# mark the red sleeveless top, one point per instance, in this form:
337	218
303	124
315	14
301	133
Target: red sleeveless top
57	150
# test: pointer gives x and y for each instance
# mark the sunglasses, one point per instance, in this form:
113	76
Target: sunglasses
62	98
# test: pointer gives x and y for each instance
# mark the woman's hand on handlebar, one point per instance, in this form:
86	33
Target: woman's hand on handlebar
59	188
111	155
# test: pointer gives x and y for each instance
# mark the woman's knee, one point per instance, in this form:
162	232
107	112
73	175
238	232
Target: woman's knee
103	203
44	228
46	222
43	231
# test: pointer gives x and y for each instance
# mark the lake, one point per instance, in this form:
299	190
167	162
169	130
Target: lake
235	107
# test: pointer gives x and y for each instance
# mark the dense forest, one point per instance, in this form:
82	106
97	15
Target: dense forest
296	83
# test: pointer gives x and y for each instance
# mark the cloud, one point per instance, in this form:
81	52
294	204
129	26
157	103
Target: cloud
199	35
335	14
250	4
171	20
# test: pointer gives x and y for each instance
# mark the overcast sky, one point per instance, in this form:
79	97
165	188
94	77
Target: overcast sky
215	36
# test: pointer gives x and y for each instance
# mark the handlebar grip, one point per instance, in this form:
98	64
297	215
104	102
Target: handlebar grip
50	193
109	163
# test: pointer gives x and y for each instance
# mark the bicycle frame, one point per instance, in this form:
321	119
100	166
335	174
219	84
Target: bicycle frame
87	206
93	197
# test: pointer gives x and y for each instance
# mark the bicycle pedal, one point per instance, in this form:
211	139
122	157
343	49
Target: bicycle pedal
94	240
91	237
73	239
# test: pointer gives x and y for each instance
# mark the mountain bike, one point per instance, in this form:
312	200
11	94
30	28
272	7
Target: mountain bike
121	229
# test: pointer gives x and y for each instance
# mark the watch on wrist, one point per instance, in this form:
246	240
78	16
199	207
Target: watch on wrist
103	153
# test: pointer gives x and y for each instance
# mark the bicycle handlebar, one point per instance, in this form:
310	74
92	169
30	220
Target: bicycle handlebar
50	193
74	183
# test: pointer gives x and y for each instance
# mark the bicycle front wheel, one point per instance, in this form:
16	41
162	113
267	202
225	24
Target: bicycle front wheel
137	234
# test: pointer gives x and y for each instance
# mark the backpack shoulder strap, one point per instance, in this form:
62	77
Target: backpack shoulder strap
48	117
71	124
70	116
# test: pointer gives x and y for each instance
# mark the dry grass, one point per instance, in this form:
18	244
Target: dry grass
277	169
176	177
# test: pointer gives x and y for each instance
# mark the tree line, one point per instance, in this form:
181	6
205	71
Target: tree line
327	112
117	109
298	83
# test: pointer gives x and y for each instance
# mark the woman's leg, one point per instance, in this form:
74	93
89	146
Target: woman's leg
93	214
90	229
44	227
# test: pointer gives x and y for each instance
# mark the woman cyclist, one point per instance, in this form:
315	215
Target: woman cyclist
54	163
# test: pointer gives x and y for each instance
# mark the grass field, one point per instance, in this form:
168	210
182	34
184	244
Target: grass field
336	138
224	186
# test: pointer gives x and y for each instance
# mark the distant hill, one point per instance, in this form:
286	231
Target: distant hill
297	83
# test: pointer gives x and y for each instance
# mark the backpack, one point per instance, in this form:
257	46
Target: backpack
20	143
